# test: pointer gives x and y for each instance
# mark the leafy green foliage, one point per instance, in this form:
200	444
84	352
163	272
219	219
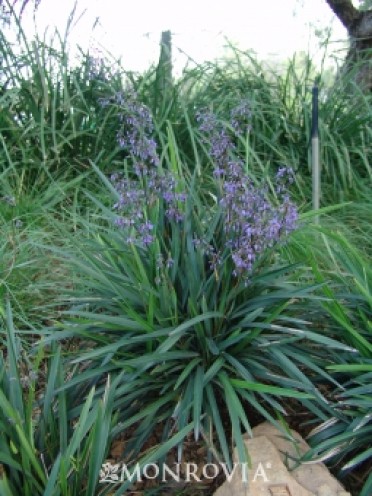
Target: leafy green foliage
365	4
187	346
51	118
346	438
47	447
195	344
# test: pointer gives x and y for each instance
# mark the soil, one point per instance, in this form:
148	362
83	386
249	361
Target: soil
197	452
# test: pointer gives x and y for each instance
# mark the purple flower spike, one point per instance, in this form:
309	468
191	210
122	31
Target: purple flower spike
251	223
152	185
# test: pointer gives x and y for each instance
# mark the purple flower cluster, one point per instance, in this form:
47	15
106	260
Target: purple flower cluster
96	69
252	223
137	197
149	184
218	136
135	134
10	200
130	205
240	118
162	267
211	252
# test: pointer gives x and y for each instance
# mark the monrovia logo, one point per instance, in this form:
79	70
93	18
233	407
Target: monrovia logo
185	472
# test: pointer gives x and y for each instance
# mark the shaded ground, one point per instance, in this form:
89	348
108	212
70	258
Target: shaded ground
196	452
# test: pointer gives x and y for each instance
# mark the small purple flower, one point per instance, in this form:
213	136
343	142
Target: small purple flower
96	69
174	214
104	102
10	200
147	239
240	118
169	263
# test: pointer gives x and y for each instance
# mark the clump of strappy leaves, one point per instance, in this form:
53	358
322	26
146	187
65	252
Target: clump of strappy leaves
183	301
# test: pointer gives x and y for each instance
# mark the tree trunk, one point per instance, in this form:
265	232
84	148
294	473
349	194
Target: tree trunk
359	27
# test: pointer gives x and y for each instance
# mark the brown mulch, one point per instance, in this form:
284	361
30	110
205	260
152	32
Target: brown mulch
193	452
197	452
297	418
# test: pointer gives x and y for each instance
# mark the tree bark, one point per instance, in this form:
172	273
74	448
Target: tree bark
345	11
358	24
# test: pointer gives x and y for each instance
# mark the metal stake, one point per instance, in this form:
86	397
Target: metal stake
315	151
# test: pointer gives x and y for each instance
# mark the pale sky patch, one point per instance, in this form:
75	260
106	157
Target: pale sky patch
200	28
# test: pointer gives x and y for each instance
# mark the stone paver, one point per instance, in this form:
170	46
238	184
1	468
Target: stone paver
271	454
